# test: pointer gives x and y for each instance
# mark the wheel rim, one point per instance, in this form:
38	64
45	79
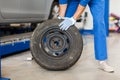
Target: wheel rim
55	42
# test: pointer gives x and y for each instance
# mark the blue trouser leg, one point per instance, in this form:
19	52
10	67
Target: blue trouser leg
97	10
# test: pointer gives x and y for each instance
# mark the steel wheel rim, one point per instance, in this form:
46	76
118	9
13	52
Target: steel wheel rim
55	42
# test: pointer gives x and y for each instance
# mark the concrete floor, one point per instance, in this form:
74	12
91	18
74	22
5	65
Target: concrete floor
17	67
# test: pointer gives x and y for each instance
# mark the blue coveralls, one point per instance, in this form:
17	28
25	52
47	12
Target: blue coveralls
97	10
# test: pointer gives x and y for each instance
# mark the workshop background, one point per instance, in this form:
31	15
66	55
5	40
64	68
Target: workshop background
17	62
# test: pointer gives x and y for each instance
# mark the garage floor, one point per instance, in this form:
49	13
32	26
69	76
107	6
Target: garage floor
17	67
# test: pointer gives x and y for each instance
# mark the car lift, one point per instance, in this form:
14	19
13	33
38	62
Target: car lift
16	43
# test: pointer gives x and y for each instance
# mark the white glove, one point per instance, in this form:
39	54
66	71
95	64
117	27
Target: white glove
66	23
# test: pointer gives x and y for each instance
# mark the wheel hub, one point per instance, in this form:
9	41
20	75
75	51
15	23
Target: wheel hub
55	42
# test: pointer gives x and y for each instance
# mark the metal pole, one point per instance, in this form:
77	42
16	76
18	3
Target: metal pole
0	69
0	64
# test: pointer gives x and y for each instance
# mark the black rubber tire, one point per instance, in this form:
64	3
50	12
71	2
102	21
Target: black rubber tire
64	61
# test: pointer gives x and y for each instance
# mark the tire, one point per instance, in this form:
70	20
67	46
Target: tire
54	49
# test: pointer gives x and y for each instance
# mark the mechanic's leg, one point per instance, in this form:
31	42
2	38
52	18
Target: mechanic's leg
97	10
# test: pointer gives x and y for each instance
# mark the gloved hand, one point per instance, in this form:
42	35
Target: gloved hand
66	23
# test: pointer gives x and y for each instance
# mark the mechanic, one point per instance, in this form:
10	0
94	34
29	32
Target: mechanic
71	10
